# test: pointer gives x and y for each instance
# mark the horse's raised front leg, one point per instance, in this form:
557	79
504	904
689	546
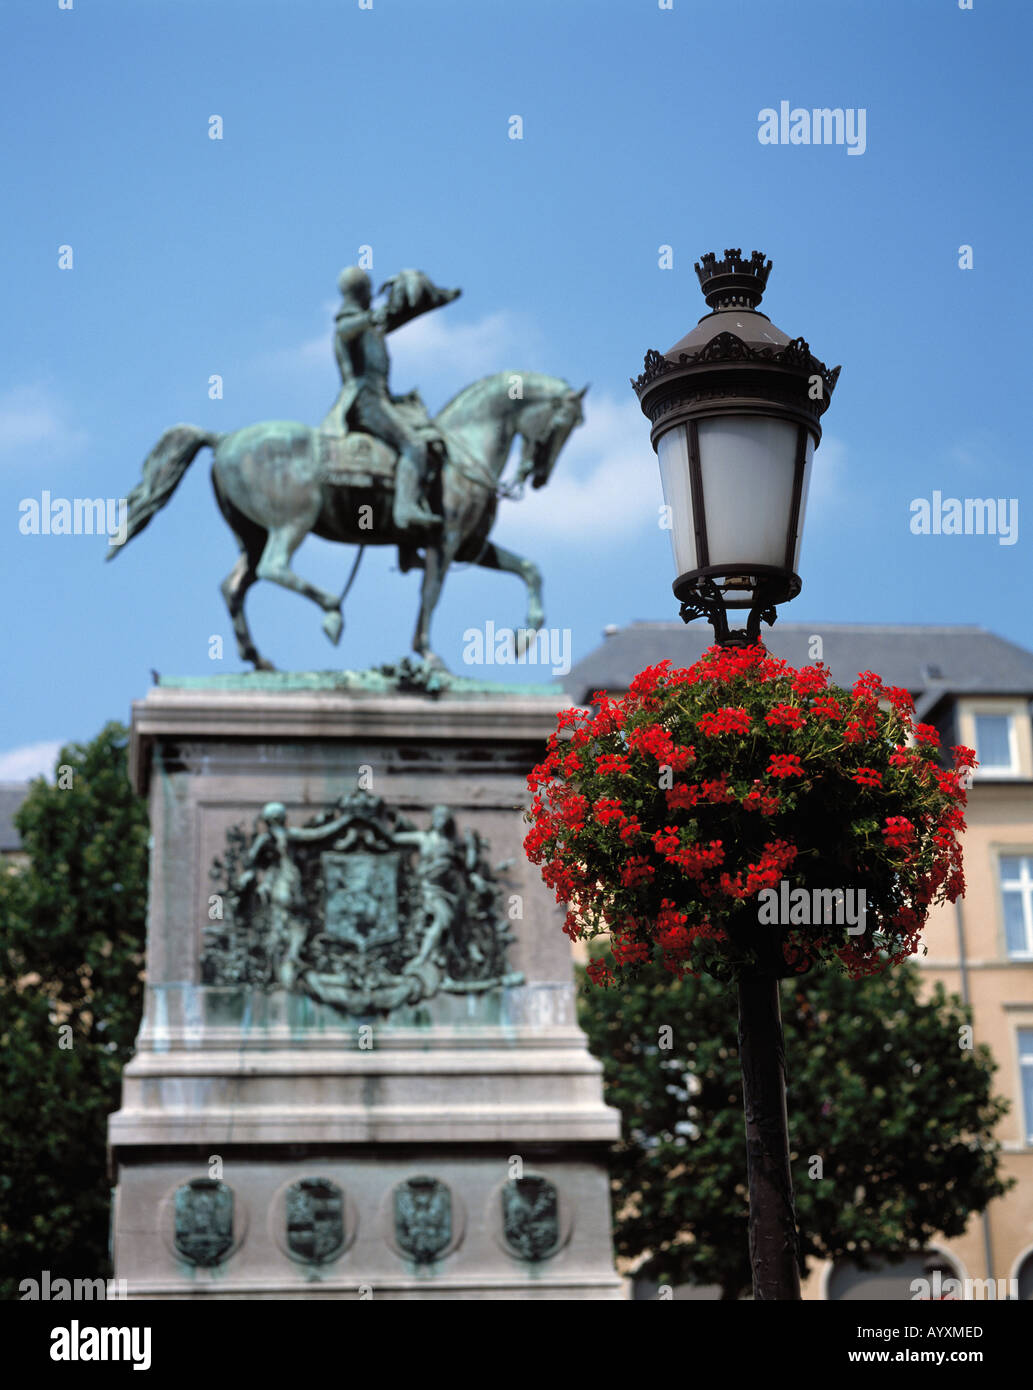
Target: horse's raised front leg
497	557
275	565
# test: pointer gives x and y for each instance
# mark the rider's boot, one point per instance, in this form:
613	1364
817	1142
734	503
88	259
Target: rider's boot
409	513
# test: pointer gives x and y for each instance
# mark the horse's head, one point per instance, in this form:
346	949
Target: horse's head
545	426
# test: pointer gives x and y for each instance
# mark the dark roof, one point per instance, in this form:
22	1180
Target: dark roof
955	660
12	794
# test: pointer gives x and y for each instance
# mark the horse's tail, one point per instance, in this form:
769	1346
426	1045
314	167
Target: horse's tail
162	469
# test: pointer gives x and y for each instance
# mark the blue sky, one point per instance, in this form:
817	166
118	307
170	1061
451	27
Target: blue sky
389	127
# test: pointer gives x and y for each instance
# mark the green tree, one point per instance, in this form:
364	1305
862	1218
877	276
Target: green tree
72	930
900	1115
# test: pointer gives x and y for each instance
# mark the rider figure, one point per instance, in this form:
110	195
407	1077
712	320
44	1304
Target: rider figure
365	402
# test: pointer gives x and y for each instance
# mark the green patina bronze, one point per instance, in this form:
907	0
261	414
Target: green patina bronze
315	1220
423	1219
405	675
378	471
358	909
203	1221
530	1217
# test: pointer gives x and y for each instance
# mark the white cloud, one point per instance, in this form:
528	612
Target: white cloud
31	760
32	423
313	352
433	347
828	473
980	455
433	352
605	482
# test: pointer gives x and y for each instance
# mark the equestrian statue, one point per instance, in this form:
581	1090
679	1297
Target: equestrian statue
377	471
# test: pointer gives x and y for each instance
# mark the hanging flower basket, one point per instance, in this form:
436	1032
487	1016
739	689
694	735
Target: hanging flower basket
743	817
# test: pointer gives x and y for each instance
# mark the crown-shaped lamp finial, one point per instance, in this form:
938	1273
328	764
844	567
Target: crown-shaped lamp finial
733	283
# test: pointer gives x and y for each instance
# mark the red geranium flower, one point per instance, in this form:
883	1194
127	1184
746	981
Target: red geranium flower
681	795
827	707
599	972
718	791
612	762
725	721
810	679
867	777
785	717
898	832
608	809
785	765
636	870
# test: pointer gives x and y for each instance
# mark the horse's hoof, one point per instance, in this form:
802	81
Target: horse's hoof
261	664
332	626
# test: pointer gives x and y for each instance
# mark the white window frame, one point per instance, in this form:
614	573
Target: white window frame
1011	768
1023	1058
1025	881
1020	734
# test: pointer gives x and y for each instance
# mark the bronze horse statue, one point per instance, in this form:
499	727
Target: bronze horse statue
278	480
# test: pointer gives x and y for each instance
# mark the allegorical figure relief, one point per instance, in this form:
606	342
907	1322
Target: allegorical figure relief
359	908
276	880
437	871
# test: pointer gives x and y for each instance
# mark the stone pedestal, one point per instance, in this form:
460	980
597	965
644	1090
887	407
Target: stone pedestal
359	1072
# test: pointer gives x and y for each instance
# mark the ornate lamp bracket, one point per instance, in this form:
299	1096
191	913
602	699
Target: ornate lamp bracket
707	602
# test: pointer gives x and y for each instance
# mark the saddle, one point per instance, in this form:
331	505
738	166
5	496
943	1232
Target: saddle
360	460
355	460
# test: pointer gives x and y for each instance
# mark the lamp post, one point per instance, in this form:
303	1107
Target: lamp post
735	409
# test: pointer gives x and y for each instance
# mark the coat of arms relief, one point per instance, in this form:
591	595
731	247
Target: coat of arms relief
358	908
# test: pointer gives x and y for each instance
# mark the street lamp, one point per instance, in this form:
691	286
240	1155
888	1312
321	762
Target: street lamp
735	408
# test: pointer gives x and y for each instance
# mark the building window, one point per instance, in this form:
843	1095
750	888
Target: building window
1016	873
995	743
906	1280
1026	1077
